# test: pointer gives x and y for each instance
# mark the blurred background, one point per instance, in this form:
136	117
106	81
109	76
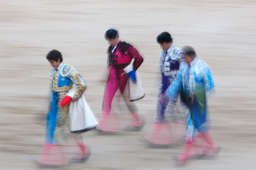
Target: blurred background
222	32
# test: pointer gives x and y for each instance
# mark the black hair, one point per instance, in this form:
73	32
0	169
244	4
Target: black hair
164	37
54	55
189	51
111	34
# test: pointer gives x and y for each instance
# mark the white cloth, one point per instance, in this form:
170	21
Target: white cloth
135	89
81	116
129	68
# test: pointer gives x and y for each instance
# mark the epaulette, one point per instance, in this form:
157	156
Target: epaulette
66	70
124	46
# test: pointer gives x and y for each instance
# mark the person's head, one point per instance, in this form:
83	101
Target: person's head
189	54
112	36
55	58
165	40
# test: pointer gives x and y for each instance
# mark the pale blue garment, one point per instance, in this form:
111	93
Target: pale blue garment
192	78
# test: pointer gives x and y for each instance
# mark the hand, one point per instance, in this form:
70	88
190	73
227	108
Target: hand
191	97
65	101
124	73
132	75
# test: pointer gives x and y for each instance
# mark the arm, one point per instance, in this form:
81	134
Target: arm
208	80
77	89
174	89
138	59
134	64
79	85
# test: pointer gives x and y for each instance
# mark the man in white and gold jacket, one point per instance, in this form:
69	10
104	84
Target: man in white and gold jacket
68	111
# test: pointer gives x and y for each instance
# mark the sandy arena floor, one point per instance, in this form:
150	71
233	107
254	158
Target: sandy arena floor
221	31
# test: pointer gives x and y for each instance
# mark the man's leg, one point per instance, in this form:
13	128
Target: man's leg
161	132
51	154
161	107
137	121
108	97
84	150
162	102
209	147
190	138
79	151
111	88
72	143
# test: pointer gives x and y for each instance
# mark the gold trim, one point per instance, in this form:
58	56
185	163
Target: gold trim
55	84
66	69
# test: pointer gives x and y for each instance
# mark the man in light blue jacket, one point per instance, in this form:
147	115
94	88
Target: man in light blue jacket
193	83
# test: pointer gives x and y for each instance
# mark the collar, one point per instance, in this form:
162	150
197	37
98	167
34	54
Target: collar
170	49
60	66
194	61
118	44
115	47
